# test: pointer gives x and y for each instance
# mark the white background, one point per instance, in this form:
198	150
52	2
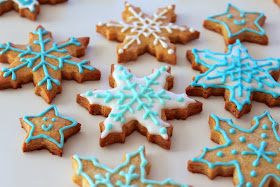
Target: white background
78	18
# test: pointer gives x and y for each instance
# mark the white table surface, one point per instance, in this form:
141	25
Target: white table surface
78	18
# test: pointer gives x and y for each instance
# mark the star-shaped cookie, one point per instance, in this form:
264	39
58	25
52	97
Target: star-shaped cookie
133	172
26	8
46	63
277	2
235	24
141	104
251	156
140	33
236	76
48	130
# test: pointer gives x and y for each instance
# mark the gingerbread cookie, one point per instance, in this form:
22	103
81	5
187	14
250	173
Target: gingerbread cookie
26	8
236	24
236	76
141	104
45	62
251	156
89	172
48	130
277	2
140	33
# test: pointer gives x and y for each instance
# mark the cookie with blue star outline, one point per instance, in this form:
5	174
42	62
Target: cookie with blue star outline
26	8
251	156
132	172
45	63
235	24
236	76
48	130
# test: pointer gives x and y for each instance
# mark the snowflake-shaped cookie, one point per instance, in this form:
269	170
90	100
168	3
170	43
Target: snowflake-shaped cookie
252	156
132	173
140	104
46	63
237	76
140	33
235	24
26	8
48	130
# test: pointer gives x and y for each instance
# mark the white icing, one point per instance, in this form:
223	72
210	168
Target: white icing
120	51
170	51
30	6
191	30
156	106
100	23
170	7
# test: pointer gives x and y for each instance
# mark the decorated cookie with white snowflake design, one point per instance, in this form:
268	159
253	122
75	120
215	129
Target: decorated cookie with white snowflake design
46	63
48	130
140	33
235	24
132	172
141	104
236	76
26	8
251	156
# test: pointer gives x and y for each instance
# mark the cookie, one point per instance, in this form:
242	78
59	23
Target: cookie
89	172
251	156
236	76
277	2
26	8
141	104
48	130
140	33
45	62
235	24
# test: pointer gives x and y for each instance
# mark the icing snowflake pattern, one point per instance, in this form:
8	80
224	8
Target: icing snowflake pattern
30	4
140	99
237	72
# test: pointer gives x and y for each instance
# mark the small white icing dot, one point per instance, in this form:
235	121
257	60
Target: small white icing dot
100	23
191	30
182	29
170	51
170	7
127	4
120	51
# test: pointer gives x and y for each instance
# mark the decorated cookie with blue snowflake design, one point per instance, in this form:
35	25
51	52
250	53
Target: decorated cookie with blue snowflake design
133	172
251	156
142	104
48	130
236	76
26	8
46	63
235	24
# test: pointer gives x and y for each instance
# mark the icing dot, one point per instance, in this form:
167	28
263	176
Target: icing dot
45	118
162	130
253	173
278	166
191	30
231	131
100	24
220	154
242	15
248	184
234	152
242	139
180	99
265	127
229	16
109	126
170	51
120	68
263	135
170	7
53	119
89	93
120	51
163	68
127	4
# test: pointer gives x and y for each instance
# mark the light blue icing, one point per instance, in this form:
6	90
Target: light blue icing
31	137
220	154
278	166
89	93
30	4
234	152
242	22
45	119
45	128
128	177
242	139
249	184
109	126
237	74
232	131
260	30
228	141
29	61
253	173
53	120
263	135
265	127
162	130
180	99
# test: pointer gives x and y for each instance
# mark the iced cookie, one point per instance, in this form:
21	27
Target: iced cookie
48	130
46	63
89	172
141	104
140	33
251	156
235	24
236	76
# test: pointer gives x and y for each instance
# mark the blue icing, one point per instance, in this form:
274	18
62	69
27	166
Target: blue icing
237	72
232	131
260	30
265	127
255	151
253	173
234	152
242	139
163	130
242	22
45	119
220	154
249	184
31	137
128	177
264	135
29	61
